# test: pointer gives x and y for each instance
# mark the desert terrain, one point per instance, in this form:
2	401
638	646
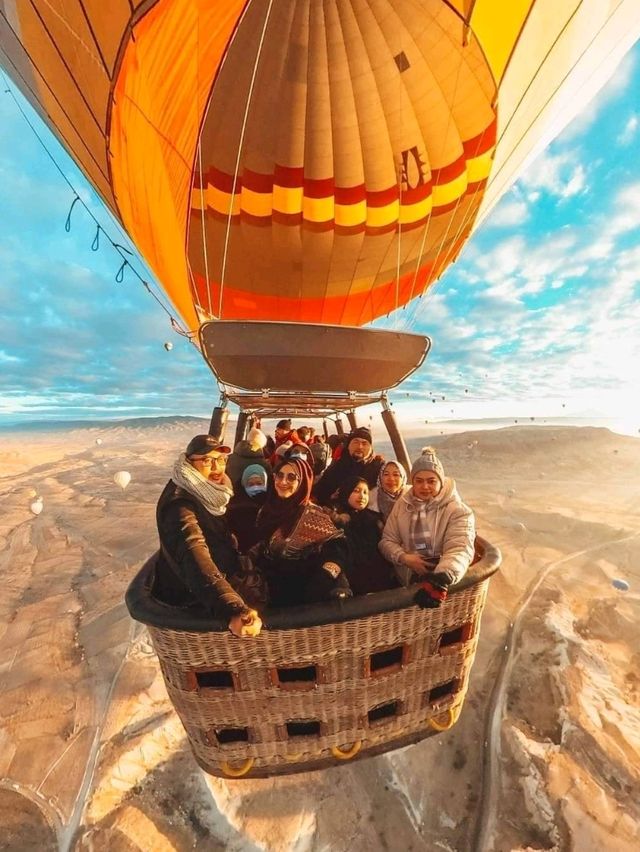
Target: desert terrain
545	755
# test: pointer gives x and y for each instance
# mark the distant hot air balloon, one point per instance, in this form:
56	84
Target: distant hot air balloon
168	346
400	123
37	506
122	478
621	585
511	492
98	441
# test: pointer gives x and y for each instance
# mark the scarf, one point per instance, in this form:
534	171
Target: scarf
212	495
420	535
281	513
387	500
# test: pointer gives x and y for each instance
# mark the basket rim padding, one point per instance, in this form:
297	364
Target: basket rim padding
143	607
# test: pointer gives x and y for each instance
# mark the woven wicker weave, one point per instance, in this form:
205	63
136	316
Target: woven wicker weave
291	700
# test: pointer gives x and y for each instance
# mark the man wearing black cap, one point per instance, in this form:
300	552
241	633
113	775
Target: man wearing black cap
357	460
198	556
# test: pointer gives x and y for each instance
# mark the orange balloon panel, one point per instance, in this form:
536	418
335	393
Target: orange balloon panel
344	154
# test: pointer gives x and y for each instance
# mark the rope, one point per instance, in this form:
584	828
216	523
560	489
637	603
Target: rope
121	250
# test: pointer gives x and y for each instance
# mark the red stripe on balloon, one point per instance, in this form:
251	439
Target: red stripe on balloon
483	142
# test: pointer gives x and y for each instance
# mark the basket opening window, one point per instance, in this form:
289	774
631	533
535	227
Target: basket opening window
215	680
456	636
442	691
389	661
304	728
232	735
296	677
383	712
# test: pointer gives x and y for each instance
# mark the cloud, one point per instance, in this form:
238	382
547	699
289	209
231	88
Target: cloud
561	175
629	132
508	213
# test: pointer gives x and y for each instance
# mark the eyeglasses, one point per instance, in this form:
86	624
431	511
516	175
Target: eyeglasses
289	477
210	460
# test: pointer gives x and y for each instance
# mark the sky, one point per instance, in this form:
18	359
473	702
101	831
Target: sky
539	317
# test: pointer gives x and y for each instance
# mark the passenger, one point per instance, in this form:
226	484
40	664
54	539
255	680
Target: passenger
245	453
334	441
299	451
368	570
198	558
358	460
302	554
245	505
284	434
305	433
430	533
321	454
392	484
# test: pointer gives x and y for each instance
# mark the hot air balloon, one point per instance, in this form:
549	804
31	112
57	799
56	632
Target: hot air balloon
620	585
98	442
122	478
400	123
37	506
168	346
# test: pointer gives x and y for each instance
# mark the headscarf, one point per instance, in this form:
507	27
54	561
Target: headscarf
254	470
344	492
255	492
283	512
213	496
386	500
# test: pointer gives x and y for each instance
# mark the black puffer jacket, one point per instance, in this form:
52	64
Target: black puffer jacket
345	468
197	554
240	459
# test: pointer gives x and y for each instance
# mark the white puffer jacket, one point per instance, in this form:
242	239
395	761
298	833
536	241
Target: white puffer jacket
453	532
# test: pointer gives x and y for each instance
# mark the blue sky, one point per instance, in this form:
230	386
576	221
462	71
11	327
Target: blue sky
539	317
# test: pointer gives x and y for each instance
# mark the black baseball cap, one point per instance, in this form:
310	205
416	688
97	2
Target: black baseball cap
203	444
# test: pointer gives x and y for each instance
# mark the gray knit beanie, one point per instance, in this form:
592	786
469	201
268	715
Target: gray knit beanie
428	460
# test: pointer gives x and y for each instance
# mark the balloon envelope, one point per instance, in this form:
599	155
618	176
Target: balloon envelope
168	346
98	441
37	506
400	123
621	585
122	478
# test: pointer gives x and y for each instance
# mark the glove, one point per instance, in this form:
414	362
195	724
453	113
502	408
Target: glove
433	591
340	593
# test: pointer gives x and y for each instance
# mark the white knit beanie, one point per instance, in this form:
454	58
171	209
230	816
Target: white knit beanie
428	460
256	436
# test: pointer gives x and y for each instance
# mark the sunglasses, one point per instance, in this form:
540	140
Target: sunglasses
288	477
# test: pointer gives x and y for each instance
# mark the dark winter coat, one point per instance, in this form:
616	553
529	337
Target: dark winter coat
342	469
197	555
241	515
367	570
240	459
293	566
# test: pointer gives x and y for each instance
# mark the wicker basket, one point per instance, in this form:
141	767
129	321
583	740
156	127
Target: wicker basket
321	684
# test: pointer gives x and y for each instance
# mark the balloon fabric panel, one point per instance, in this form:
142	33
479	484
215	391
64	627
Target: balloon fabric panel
363	139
